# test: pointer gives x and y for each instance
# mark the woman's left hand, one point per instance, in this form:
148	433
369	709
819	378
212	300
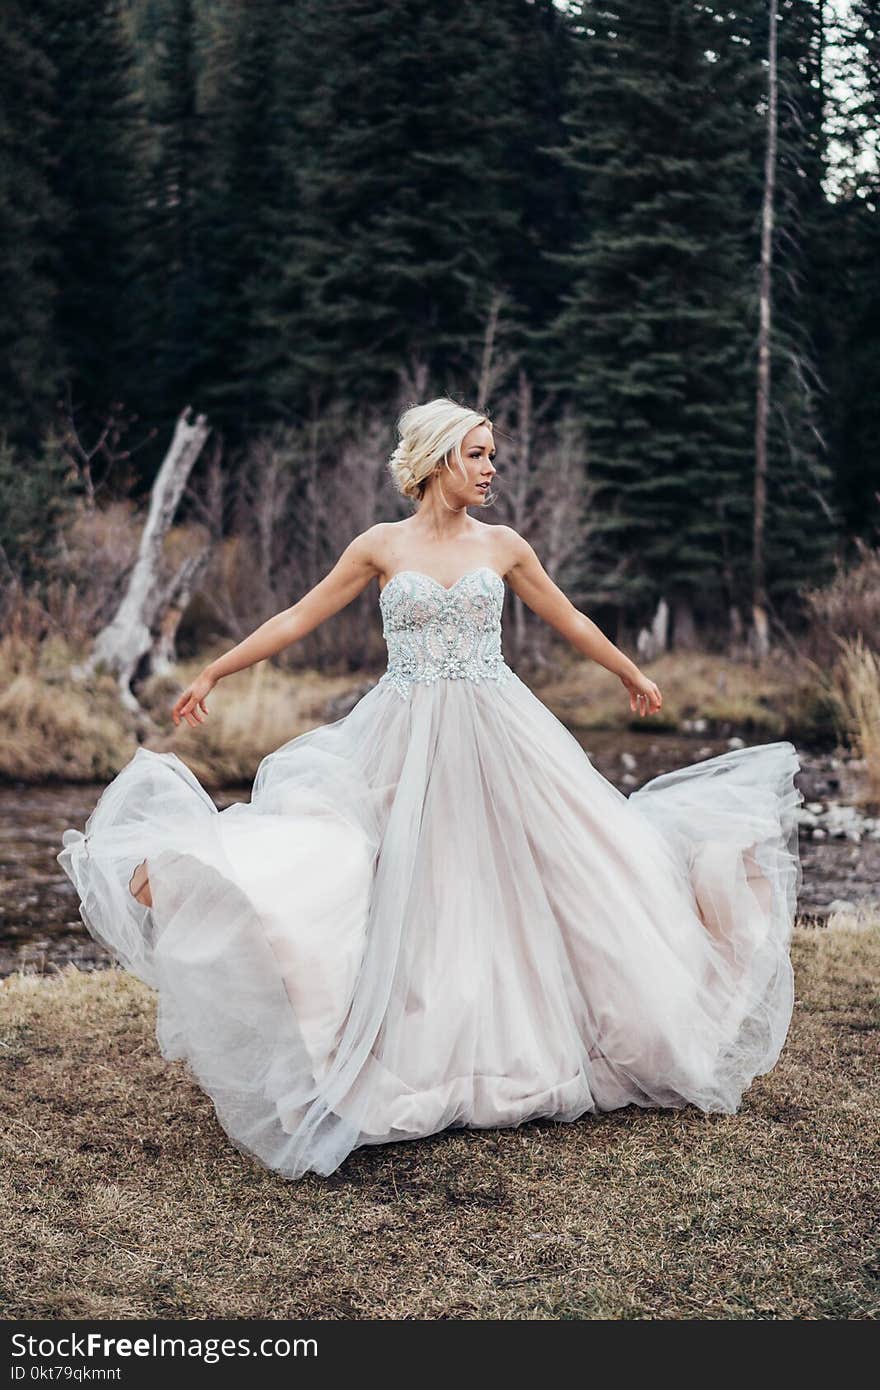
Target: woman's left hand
644	694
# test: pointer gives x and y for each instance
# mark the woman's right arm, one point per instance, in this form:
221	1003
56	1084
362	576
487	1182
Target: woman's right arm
349	576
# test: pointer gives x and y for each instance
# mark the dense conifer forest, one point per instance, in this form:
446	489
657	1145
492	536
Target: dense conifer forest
299	215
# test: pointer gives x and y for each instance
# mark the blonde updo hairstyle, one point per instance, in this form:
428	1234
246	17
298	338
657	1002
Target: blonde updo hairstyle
429	435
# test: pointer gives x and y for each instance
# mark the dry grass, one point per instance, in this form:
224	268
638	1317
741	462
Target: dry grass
52	727
780	699
250	714
123	1198
845	608
862	916
856	680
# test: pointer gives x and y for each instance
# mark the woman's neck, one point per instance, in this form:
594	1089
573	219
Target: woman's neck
438	521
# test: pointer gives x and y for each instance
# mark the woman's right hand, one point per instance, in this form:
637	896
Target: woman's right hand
192	701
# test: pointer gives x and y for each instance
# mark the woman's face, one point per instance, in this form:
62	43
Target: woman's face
477	455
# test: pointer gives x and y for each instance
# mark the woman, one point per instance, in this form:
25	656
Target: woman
434	911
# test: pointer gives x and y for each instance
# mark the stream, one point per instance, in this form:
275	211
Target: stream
41	930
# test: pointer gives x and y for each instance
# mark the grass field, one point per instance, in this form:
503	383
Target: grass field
122	1197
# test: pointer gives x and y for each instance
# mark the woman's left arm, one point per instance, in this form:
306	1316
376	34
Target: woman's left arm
528	579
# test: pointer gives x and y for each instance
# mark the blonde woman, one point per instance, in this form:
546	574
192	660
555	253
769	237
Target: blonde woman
435	912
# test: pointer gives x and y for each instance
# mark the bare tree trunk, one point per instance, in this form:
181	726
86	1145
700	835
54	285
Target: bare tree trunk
487	363
555	519
496	365
654	640
759	592
520	496
163	655
539	497
127	638
684	627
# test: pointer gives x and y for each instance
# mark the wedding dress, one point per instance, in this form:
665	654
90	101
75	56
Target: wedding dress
436	912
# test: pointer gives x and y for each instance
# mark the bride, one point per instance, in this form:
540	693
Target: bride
434	911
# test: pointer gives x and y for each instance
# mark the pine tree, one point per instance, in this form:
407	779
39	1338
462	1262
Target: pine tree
29	364
251	116
96	180
653	338
407	177
802	523
656	339
848	296
37	492
177	179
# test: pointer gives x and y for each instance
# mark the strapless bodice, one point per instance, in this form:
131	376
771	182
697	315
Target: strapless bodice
438	633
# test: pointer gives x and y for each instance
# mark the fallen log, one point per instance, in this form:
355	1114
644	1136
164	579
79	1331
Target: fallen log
129	636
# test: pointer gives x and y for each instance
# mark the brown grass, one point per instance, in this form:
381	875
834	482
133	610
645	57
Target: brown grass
845	608
779	699
857	689
53	727
123	1198
250	713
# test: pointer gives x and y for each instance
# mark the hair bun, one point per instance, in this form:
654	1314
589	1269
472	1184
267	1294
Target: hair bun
429	433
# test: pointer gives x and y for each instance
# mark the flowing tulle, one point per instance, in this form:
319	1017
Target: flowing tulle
436	912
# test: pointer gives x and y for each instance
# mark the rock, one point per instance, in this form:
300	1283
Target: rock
628	761
841	905
736	742
628	780
844	822
819	833
815	807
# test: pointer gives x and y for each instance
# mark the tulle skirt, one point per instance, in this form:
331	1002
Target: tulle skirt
436	912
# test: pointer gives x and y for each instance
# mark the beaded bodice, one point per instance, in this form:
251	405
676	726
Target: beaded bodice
439	633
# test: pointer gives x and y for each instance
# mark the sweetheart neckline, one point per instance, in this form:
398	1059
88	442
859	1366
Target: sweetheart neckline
447	588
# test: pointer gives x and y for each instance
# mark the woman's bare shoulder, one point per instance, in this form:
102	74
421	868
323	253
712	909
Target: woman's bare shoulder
511	546
373	545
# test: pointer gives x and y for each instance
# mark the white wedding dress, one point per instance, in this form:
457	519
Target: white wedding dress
435	911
